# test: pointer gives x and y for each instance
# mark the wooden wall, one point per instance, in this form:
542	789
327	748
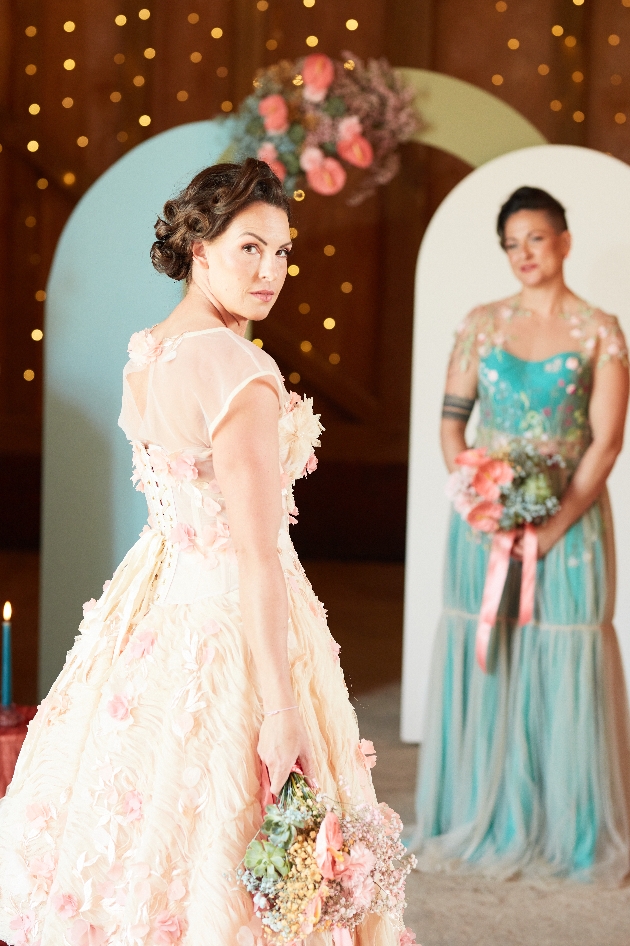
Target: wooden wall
355	506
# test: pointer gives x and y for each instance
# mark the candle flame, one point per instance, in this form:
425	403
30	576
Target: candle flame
6	611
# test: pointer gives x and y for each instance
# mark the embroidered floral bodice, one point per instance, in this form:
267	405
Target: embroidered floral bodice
544	401
192	380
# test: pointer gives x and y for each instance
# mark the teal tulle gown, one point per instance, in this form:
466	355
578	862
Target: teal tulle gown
526	769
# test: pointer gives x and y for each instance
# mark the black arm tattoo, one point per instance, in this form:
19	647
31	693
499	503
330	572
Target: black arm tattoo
457	408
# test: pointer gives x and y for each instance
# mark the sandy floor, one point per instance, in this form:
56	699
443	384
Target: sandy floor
469	911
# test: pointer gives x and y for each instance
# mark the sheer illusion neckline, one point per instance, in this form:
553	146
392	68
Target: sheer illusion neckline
201	331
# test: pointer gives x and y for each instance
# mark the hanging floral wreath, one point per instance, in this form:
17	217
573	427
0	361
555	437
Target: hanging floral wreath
310	118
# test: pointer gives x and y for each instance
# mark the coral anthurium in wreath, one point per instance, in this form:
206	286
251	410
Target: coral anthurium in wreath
311	118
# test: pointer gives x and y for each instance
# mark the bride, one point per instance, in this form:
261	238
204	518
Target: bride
207	660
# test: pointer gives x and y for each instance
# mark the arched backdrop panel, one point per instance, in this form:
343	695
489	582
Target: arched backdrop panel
102	288
461	265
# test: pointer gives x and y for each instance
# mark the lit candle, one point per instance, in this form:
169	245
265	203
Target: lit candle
7	694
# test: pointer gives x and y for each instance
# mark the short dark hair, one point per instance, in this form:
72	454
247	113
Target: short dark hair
207	206
532	198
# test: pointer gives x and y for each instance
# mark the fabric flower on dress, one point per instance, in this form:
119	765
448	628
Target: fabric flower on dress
369	752
183	468
65	904
141	645
168	929
89	606
299	433
183	536
22	924
119	707
143	348
132	804
39	816
408	937
83	933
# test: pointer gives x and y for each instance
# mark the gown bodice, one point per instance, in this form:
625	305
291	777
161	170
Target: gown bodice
192	380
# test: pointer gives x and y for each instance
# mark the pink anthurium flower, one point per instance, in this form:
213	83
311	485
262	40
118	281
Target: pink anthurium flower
318	72
327	179
357	151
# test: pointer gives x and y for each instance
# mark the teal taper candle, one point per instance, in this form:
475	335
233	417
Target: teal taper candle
7	683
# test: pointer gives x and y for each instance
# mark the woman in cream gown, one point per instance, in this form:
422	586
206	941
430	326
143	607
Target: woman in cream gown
139	785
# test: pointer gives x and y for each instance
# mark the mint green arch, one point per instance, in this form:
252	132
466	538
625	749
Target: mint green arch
466	121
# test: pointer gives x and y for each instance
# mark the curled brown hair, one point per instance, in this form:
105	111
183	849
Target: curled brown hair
204	209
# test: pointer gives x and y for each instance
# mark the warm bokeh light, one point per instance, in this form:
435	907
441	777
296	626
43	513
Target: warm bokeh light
182	96
40	295
82	141
144	120
271	44
329	250
29	375
67	102
293	233
500	6
31	30
513	44
578	76
329	323
30	222
613	39
149	53
497	79
6	611
34	109
222	72
578	116
138	81
119	58
557	30
42	183
31	69
196	57
120	20
297	80
555	105
262	5
616	79
352	24
308	3
293	270
306	346
304	308
334	358
115	97
258	342
346	287
193	18
69	64
216	33
69	26
69	178
226	106
620	118
294	377
578	3
144	14
349	65
570	41
312	41
32	145
37	334
299	195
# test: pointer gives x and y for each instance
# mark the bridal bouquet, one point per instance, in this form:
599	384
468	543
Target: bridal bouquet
314	867
505	489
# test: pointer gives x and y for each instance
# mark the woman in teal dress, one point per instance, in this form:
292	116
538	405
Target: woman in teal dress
525	769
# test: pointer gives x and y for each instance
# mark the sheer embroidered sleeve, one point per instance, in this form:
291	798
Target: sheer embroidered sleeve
611	342
473	338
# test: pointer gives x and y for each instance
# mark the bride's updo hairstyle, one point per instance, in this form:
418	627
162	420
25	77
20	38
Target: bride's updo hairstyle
532	198
204	209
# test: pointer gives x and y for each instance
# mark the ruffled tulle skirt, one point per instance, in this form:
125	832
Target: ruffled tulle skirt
138	787
526	769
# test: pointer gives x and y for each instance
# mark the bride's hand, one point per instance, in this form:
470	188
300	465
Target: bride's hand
282	741
546	537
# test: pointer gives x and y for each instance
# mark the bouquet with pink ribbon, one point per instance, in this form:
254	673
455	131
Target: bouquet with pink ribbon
315	866
507	493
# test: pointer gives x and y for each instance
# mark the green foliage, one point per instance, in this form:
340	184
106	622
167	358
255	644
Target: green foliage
334	106
264	859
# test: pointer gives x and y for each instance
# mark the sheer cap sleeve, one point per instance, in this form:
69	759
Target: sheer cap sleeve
611	340
192	381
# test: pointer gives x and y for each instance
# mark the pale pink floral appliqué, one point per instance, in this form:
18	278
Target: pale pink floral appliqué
38	815
65	904
183	468
89	606
175	890
23	924
132	804
369	752
141	645
408	937
183	536
83	933
168	929
118	707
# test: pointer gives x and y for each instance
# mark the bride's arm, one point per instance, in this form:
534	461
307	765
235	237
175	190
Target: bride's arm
459	400
246	465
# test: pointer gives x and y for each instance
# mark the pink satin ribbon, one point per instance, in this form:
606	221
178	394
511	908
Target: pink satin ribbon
498	566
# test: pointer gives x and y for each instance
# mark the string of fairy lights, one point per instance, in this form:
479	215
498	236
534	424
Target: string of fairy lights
570	41
69	177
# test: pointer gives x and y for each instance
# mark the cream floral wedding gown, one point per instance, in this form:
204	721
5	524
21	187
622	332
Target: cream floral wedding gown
139	787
